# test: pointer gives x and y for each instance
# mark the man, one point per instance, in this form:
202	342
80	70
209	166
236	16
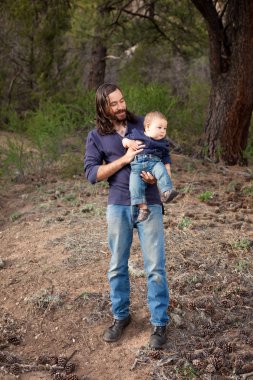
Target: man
106	159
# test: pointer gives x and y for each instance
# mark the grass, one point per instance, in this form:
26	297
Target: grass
206	196
69	197
193	280
187	189
248	190
89	207
184	223
231	186
16	215
187	371
190	167
45	299
243	244
100	211
241	265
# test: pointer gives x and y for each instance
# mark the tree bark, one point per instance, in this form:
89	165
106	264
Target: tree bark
231	63
97	64
99	50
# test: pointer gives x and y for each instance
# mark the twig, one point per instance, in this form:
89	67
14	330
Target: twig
39	367
32	367
71	356
246	375
137	361
163	362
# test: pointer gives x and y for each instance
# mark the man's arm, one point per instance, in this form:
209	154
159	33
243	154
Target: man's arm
107	170
95	170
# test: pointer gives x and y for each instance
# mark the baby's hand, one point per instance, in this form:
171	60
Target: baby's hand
133	144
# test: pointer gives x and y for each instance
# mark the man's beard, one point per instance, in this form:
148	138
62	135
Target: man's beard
119	119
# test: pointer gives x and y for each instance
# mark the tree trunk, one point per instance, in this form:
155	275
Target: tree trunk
231	63
98	64
229	115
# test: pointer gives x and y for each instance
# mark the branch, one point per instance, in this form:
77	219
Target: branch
151	19
120	11
208	11
246	375
219	47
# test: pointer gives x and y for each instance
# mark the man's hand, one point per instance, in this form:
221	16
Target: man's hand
148	178
131	153
107	170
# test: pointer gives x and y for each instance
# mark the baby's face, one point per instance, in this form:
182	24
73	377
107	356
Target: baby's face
156	129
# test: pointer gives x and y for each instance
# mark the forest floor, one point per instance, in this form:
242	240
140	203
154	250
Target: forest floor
54	298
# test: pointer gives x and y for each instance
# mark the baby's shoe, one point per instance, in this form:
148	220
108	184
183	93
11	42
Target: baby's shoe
169	195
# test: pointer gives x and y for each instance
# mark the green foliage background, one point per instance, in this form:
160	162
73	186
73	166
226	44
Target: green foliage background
46	110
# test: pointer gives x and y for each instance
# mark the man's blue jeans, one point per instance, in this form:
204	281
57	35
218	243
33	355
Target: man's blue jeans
152	164
121	222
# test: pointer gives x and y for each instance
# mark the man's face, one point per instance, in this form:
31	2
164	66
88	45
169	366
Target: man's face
117	106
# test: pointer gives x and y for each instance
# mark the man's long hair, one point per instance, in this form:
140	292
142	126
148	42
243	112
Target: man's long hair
103	120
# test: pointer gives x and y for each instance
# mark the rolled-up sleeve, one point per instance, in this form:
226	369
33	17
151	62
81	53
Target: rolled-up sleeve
93	158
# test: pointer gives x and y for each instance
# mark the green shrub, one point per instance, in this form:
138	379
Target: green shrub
184	223
206	196
47	127
10	120
14	157
243	244
241	266
81	104
142	98
248	190
188	117
16	215
84	103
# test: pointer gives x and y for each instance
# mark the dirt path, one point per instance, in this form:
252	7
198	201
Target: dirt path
54	292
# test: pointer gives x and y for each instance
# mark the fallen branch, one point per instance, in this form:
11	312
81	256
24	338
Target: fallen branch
163	362
137	361
246	375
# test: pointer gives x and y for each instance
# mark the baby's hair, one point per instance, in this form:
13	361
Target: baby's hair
152	115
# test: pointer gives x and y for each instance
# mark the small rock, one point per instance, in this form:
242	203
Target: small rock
2	263
177	320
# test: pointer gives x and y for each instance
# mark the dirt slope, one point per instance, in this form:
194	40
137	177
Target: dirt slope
54	292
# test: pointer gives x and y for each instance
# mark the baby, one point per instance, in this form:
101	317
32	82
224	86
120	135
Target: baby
155	159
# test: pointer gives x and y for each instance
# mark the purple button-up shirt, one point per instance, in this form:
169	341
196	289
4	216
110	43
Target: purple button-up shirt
108	148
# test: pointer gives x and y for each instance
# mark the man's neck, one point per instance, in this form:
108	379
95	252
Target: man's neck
119	123
120	127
